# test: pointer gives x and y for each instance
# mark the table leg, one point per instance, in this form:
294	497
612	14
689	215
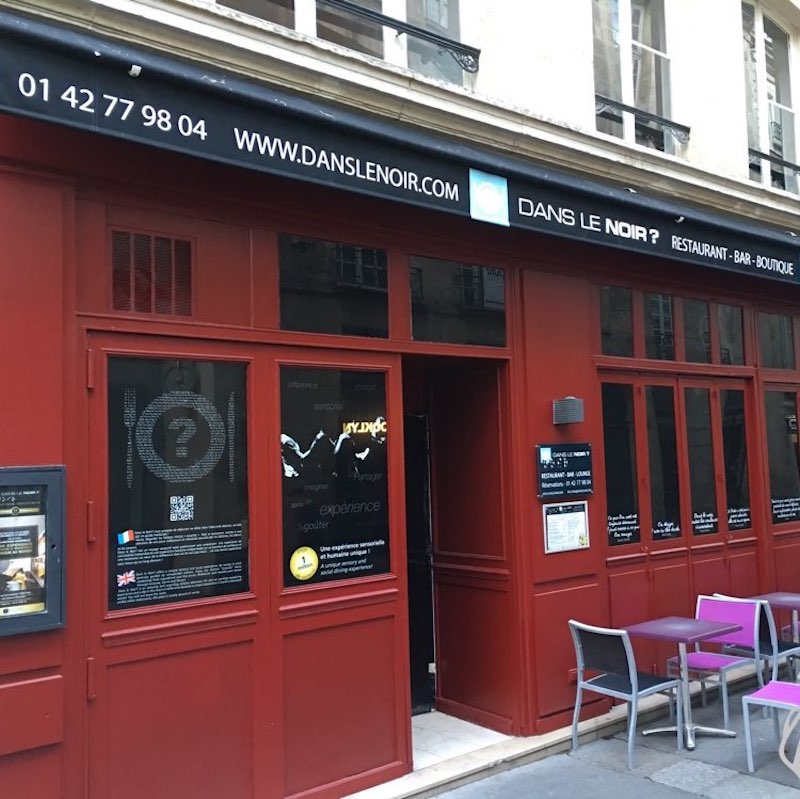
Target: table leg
690	728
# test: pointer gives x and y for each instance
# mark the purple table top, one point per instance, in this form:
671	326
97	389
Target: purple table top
681	629
782	599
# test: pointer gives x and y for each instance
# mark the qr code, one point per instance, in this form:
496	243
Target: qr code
181	509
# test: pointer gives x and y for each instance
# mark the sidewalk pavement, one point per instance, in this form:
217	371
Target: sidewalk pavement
543	767
716	768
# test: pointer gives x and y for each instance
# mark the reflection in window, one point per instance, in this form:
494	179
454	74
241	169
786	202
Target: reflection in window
770	114
616	321
734	443
659	331
436	16
329	287
696	331
784	470
775	341
622	500
457	303
731	335
631	66
701	461
349	30
663	455
278	11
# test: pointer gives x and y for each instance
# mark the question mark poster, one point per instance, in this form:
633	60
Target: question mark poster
177	465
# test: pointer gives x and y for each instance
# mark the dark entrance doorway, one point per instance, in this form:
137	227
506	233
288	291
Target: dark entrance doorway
420	559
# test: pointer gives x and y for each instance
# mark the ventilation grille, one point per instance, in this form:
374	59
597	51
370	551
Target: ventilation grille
151	274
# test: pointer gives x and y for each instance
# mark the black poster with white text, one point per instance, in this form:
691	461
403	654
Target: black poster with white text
335	486
177	463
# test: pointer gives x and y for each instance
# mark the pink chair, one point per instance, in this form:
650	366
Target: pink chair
777	695
703	664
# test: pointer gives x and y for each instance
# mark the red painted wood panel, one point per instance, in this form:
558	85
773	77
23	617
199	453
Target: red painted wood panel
710	571
475	646
31	298
180	726
339	703
787	564
553	650
35	771
744	572
467	464
32	713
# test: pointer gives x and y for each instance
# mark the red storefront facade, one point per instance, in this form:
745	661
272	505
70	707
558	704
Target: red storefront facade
253	678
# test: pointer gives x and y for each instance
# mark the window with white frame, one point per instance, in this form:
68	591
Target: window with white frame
632	72
340	26
770	117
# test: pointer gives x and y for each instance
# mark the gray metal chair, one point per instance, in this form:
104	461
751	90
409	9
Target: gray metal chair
608	653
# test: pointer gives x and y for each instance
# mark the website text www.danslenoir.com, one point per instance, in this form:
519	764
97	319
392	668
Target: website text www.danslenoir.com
348	165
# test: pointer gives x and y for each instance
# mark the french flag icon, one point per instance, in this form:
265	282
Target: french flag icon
128	537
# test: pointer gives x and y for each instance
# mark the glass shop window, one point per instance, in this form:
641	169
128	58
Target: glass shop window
457	303
784	461
775	339
334	486
331	287
685	433
622	499
177	481
734	443
616	321
663	467
731	334
701	461
696	331
659	333
673	327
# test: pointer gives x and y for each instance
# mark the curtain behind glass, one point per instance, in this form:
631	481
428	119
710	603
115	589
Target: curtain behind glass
750	74
605	18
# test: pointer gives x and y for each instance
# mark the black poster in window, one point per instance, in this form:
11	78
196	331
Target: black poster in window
177	464
335	487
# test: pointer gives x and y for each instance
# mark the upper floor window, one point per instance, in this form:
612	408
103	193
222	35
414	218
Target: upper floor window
632	72
343	24
770	118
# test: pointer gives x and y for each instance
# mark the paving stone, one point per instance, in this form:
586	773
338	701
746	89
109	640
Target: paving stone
692	776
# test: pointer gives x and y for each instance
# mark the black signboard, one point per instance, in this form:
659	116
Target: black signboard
648	230
31	549
565	470
97	90
86	81
177	464
335	486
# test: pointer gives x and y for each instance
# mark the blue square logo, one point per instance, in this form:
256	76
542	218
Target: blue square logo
488	197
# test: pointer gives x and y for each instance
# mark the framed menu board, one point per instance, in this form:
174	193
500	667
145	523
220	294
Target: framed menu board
31	549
